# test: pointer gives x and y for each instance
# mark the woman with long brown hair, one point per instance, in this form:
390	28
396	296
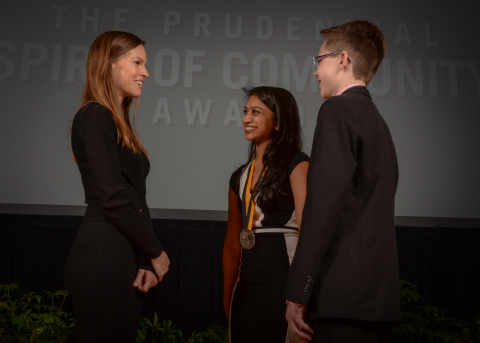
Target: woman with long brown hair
115	255
266	198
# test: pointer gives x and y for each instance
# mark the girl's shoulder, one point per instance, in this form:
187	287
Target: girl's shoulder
298	158
235	178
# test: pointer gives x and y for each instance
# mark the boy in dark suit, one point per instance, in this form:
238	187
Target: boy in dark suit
344	276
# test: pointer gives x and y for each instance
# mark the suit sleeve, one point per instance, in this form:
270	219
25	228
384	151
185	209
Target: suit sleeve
146	263
332	166
98	132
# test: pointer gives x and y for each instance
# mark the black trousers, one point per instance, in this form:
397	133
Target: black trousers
99	274
350	331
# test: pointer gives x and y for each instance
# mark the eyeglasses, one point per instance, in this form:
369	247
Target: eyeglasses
317	59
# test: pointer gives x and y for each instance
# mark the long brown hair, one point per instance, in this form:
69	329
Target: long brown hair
100	86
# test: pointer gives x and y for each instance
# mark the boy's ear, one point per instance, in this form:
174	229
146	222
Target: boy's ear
345	59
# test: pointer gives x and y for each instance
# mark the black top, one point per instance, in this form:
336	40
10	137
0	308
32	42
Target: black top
113	177
284	214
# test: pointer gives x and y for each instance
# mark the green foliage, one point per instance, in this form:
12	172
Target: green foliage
165	332
215	334
32	318
425	323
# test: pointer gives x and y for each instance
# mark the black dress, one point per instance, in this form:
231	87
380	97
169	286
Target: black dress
116	236
258	307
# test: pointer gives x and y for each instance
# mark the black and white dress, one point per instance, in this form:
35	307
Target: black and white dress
258	307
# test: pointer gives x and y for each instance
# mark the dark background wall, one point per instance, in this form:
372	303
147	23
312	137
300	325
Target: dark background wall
443	262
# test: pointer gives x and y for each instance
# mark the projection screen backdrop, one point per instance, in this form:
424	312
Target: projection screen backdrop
200	55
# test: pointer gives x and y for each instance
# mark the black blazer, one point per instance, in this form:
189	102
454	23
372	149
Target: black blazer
346	263
113	178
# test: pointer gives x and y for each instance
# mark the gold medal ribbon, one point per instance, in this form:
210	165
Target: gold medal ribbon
248	201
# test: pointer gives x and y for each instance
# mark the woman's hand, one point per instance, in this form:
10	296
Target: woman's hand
160	265
145	280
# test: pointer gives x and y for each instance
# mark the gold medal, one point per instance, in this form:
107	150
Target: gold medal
247	237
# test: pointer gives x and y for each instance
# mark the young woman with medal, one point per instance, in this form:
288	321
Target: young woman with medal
266	199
